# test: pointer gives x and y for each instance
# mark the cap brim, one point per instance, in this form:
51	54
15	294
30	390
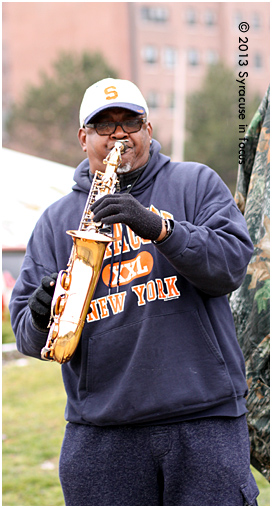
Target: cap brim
132	107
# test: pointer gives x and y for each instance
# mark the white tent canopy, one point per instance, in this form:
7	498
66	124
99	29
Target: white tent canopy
29	186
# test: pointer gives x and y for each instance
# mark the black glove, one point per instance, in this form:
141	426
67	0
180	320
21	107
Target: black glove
124	208
40	302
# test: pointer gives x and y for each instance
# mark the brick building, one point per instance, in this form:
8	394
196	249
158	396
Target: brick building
165	47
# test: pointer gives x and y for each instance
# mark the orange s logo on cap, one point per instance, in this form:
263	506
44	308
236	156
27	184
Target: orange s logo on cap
111	93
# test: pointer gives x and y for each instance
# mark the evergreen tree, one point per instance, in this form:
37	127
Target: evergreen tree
212	122
46	121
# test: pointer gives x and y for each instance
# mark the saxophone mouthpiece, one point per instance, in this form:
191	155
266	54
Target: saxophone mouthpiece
123	143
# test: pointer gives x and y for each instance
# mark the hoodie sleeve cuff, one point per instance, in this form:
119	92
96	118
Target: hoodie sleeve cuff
176	242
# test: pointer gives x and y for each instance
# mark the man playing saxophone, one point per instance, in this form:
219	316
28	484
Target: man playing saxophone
156	386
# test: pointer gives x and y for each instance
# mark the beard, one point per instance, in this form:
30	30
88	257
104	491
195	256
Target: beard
124	169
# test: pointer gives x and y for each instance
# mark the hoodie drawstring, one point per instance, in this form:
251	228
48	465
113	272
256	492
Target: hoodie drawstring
127	191
120	262
112	255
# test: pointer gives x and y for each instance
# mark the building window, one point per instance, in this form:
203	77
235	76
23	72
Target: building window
150	54
211	57
153	99
257	61
209	18
156	14
237	18
256	22
171	101
169	57
191	17
193	57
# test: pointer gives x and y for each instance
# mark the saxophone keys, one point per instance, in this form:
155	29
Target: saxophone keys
55	332
60	305
66	280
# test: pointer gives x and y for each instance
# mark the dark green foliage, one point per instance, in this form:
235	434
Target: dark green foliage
212	122
45	122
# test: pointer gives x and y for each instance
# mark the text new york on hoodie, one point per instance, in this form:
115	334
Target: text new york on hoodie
159	345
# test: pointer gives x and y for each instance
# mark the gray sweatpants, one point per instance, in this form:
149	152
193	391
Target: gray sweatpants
202	462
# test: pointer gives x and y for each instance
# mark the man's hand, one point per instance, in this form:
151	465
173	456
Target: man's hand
40	301
124	208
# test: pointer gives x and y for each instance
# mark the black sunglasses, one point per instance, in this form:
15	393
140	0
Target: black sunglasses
108	128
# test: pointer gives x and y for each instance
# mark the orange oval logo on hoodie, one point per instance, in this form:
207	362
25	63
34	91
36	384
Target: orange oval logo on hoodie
129	270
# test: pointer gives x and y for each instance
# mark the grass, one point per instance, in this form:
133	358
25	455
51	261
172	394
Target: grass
264	488
7	333
33	427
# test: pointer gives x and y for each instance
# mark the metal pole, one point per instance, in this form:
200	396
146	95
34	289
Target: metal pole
178	137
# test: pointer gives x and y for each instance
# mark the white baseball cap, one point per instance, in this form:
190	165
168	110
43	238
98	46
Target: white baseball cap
109	93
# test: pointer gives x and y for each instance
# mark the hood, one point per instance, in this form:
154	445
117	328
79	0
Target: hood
83	177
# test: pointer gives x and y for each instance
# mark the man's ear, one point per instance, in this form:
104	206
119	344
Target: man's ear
149	130
82	138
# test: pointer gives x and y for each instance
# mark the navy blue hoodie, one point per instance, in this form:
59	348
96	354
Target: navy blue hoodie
159	345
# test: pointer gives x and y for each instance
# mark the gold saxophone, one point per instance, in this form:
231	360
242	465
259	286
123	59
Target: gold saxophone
75	286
